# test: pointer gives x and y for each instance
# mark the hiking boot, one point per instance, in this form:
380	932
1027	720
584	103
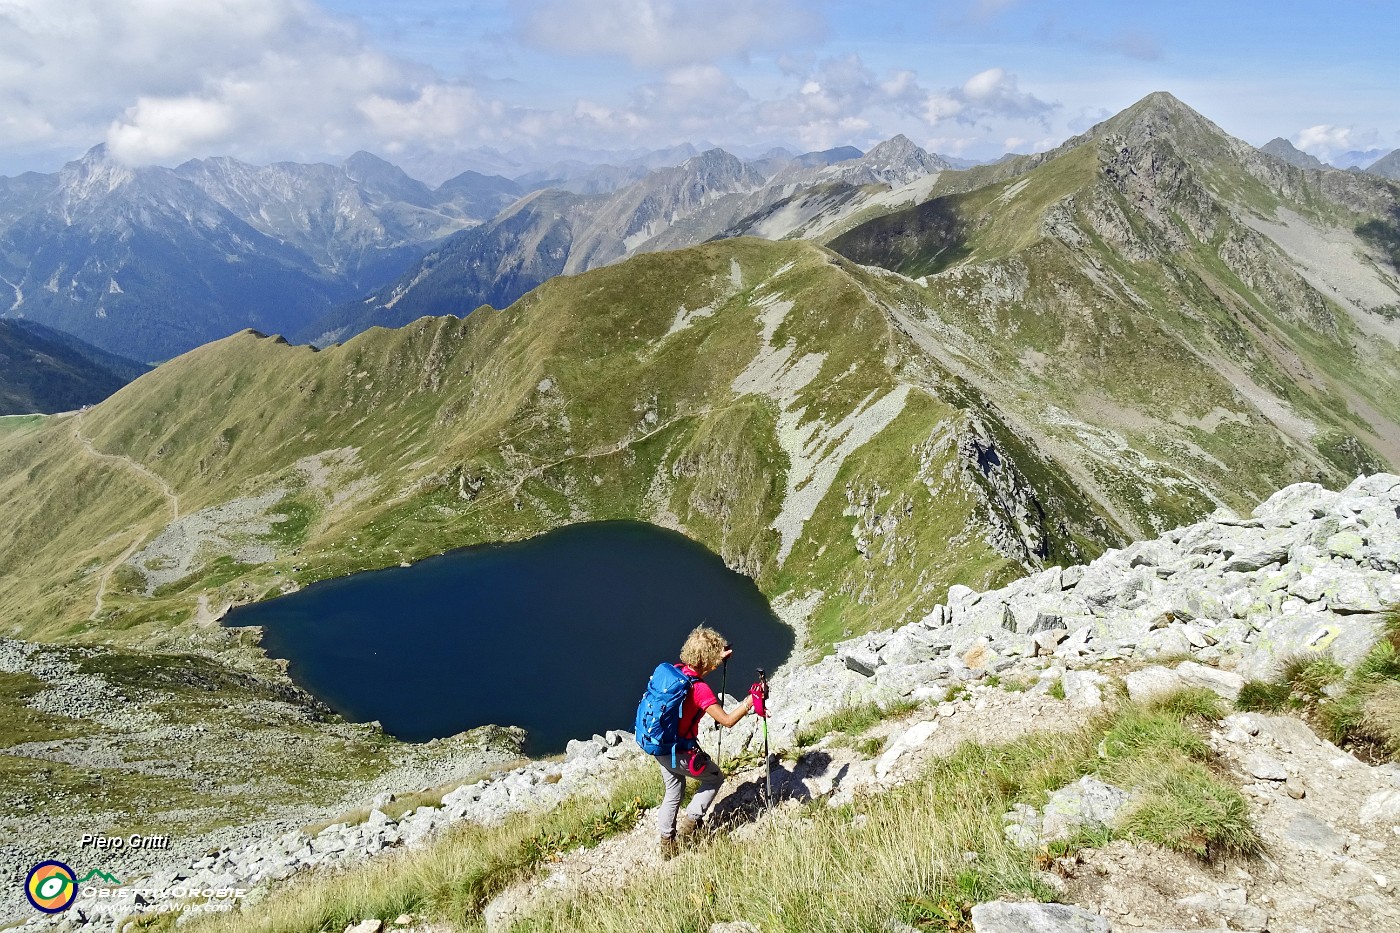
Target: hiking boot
670	848
687	830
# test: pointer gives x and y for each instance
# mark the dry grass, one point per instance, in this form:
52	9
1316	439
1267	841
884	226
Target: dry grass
904	854
451	880
922	853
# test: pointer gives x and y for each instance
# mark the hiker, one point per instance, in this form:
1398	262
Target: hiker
673	740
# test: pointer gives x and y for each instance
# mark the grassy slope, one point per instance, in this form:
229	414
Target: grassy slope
1148	336
573	404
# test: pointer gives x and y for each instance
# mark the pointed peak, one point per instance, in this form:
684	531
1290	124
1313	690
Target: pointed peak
1159	115
96	155
1387	166
900	152
362	159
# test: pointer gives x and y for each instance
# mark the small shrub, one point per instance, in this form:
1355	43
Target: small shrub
1057	689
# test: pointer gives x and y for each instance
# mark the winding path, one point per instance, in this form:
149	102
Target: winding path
171	497
165	488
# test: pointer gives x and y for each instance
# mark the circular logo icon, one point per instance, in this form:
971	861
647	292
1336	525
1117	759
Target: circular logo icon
51	887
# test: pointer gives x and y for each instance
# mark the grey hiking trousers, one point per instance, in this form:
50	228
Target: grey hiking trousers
710	780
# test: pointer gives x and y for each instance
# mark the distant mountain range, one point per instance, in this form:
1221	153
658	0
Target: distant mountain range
555	232
150	262
43	370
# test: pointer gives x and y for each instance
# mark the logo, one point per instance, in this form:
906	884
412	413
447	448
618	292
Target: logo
51	887
100	875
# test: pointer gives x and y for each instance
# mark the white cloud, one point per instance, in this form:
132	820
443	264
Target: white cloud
667	33
994	93
1326	141
161	80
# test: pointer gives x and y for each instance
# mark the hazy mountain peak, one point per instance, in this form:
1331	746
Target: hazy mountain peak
713	158
896	161
1387	166
1285	150
95	171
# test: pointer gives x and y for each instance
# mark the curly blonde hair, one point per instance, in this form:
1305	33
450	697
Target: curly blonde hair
703	649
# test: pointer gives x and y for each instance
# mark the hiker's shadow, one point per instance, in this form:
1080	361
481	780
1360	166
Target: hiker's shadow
803	781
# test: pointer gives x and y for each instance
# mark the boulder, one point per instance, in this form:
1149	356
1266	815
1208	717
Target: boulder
1047	640
860	659
1083	689
1022	824
1167	642
1152	682
1022	917
1347	544
1088	802
366	926
1293	504
1225	684
1377	484
578	748
911	738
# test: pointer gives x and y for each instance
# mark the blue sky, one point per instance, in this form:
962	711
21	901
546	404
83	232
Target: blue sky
427	82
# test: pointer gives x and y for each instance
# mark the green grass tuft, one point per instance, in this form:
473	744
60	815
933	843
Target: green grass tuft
853	720
1360	710
1186	808
1191	704
1263	696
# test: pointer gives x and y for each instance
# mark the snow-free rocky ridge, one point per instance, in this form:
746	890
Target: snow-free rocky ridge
1207	605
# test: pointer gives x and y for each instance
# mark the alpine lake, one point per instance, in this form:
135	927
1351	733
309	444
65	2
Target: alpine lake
556	634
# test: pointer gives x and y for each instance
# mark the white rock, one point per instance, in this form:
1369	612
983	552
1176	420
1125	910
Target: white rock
1152	682
1226	684
1265	768
912	737
1083	689
1381	807
1086	802
1025	917
366	926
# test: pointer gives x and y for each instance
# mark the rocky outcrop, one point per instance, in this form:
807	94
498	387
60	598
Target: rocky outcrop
1309	570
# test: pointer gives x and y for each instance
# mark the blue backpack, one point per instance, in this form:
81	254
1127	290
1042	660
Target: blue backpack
658	727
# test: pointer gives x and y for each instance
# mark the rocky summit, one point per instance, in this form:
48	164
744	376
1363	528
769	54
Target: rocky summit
1210	606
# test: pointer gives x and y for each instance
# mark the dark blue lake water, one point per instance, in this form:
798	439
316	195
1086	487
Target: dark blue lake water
556	634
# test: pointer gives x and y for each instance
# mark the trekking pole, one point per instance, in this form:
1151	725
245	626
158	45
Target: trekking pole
723	690
767	761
